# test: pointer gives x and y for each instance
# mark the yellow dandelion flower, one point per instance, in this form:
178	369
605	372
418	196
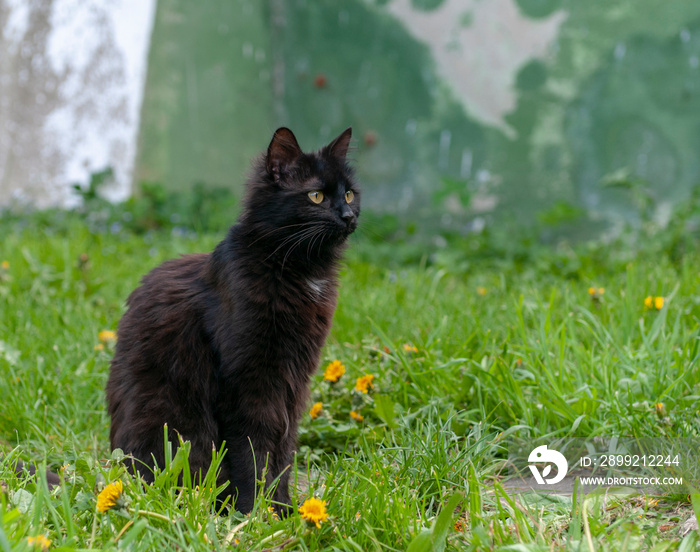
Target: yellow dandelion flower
660	409
652	302
481	290
356	416
409	348
40	541
649	302
595	292
314	510
109	496
658	303
334	371
364	383
316	410
273	514
107	336
5	265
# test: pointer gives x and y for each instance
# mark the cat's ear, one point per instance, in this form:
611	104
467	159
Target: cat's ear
282	152
339	147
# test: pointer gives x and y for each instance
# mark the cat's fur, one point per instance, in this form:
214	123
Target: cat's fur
221	346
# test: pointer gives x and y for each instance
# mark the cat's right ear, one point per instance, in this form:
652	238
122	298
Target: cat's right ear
282	152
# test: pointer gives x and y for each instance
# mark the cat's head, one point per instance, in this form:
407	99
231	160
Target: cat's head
311	199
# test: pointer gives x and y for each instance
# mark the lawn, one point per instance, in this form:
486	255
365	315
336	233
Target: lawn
465	357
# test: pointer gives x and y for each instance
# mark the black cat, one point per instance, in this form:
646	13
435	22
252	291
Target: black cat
221	346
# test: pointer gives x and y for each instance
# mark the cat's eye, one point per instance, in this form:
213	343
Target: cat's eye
349	196
316	197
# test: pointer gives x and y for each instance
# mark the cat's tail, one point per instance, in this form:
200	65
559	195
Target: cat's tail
52	478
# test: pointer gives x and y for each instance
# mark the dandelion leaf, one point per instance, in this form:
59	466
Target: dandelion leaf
435	539
384	408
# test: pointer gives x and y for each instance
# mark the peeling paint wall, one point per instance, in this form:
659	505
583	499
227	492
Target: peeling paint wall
479	47
504	106
71	82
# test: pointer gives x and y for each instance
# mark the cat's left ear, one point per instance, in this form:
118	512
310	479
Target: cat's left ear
282	152
339	147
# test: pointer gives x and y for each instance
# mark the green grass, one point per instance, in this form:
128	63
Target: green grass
533	357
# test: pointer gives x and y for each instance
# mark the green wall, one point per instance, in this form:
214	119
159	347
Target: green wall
618	89
207	106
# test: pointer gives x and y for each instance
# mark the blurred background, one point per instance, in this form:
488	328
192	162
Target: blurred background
574	118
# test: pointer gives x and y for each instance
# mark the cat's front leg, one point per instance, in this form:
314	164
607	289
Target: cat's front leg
242	466
282	465
252	461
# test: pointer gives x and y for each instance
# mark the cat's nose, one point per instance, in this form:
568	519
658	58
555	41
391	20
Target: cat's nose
346	214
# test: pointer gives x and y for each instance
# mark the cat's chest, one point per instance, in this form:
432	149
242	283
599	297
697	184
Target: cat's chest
316	289
280	326
283	304
305	300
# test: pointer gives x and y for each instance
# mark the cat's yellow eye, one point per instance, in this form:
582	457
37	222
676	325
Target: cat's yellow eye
349	196
316	197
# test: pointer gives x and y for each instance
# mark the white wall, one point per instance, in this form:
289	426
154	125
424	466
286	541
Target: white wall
72	74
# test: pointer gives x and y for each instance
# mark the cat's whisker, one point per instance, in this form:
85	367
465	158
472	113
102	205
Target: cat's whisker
291	238
307	235
311	242
310	236
301	235
367	229
269	233
321	242
296	239
310	245
309	249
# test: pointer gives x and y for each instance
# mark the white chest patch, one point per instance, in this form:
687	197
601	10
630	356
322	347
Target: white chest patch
316	287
